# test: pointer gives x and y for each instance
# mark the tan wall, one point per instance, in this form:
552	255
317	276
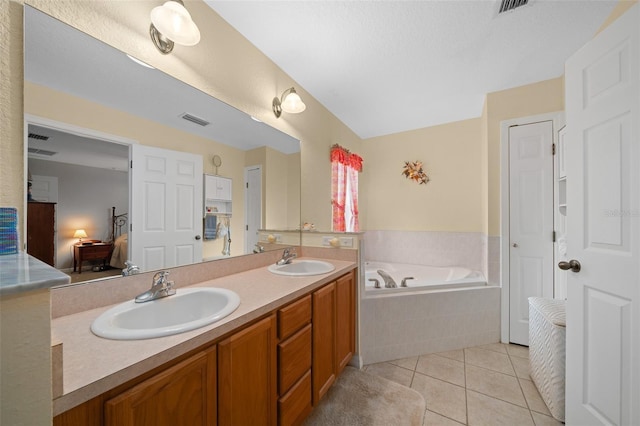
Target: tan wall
451	201
621	8
25	359
538	98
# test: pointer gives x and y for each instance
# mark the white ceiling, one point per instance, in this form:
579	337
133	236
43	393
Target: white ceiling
384	67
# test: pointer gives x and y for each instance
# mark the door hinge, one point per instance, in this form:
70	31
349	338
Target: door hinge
130	227
246	227
554	236
131	164
247	185
553	149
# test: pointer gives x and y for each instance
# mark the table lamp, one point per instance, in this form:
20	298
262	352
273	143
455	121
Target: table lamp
80	234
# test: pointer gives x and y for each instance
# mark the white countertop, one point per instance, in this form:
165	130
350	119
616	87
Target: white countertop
93	365
21	273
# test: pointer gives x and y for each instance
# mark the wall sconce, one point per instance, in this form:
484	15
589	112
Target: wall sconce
171	23
289	102
80	234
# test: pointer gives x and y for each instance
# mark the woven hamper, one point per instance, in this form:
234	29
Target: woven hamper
547	336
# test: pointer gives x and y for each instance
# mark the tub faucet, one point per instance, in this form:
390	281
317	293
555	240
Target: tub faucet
160	287
404	281
287	257
388	281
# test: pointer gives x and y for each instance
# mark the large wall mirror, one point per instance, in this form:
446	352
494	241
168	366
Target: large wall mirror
89	108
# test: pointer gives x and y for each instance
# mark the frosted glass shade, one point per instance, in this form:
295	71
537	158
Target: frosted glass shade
174	22
292	103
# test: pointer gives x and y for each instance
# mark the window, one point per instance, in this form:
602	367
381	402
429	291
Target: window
345	167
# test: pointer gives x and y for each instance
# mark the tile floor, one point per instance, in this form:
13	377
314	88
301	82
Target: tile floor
482	385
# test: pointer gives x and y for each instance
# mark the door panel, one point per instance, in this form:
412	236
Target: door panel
603	230
531	222
166	208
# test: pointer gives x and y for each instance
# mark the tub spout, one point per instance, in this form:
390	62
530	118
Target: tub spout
388	281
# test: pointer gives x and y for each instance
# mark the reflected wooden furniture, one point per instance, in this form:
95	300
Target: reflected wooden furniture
41	231
93	251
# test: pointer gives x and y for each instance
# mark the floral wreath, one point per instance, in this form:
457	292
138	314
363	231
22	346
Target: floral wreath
413	170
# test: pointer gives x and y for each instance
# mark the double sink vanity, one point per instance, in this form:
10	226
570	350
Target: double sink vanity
267	345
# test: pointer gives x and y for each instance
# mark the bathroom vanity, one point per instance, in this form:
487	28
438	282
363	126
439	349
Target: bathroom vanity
269	362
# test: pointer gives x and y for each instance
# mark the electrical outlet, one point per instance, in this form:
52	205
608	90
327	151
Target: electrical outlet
278	238
346	241
326	241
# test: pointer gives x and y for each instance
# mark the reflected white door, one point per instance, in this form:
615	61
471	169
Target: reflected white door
530	222
166	208
603	227
253	206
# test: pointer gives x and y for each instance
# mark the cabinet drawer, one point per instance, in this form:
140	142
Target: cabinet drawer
96	252
295	406
294	355
293	317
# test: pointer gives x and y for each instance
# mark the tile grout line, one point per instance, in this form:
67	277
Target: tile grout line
526	401
466	399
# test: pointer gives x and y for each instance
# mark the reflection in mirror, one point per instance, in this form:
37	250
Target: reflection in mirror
89	108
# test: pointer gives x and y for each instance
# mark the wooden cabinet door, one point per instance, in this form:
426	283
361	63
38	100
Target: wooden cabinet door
183	395
345	321
247	372
324	361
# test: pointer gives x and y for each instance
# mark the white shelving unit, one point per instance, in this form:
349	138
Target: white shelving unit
560	217
217	195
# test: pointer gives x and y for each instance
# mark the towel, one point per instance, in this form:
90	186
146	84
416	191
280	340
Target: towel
210	224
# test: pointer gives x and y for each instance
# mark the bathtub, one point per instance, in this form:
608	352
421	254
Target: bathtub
441	309
425	277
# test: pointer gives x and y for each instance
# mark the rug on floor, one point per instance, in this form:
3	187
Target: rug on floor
359	398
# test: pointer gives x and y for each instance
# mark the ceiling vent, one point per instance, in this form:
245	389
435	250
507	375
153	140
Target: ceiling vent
41	152
507	5
197	120
38	137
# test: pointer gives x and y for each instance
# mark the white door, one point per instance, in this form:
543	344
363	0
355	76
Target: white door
253	206
530	222
603	227
44	188
166	208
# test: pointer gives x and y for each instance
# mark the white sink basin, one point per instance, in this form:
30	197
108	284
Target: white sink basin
302	268
187	310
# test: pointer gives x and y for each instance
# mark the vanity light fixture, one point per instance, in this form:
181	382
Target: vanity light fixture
289	102
80	234
171	23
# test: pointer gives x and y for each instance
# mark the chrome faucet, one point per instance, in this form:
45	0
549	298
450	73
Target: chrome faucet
388	281
287	257
404	281
159	288
131	269
259	248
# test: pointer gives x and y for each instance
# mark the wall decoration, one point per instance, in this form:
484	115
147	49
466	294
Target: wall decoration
413	170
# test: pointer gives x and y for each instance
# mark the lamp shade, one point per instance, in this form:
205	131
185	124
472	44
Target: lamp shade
175	23
292	103
80	233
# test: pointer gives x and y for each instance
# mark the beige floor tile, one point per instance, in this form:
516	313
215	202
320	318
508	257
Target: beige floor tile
489	359
408	363
442	397
435	419
446	369
517	350
521	365
391	372
534	400
486	411
496	347
542	420
497	385
458	355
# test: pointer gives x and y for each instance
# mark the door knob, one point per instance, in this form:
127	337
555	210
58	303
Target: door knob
197	237
572	265
515	245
